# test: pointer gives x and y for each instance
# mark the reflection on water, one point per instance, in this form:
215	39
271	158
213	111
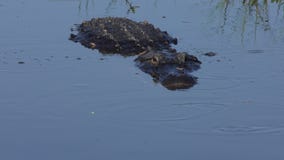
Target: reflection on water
246	18
131	8
251	16
87	4
256	2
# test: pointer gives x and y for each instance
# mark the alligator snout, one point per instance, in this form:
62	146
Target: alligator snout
172	69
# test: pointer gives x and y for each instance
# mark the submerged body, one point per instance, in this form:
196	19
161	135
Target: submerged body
112	35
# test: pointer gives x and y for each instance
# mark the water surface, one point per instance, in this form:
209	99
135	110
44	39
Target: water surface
68	102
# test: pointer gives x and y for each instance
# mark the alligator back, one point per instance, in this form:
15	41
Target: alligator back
121	35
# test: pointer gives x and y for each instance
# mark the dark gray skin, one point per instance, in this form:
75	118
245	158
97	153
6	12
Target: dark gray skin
171	69
112	35
121	36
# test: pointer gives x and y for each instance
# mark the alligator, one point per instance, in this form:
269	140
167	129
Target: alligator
155	56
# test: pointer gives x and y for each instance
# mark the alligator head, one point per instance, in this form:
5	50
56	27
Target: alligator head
170	68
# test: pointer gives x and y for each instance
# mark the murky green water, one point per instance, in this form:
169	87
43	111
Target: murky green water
66	102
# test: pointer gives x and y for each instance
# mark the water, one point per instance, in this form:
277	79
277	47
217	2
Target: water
69	102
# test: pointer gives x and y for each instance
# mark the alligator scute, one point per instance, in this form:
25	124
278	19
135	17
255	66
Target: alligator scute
155	56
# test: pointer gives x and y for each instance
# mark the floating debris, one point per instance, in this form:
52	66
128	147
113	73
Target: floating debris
210	54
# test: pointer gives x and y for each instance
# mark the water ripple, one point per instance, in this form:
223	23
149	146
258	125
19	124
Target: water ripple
212	82
189	111
236	130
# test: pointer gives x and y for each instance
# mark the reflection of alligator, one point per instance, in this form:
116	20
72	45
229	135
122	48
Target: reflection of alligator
155	55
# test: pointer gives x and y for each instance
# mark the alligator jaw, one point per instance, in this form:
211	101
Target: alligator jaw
176	82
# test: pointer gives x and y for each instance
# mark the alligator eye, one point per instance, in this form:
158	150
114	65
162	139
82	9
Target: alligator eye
155	60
